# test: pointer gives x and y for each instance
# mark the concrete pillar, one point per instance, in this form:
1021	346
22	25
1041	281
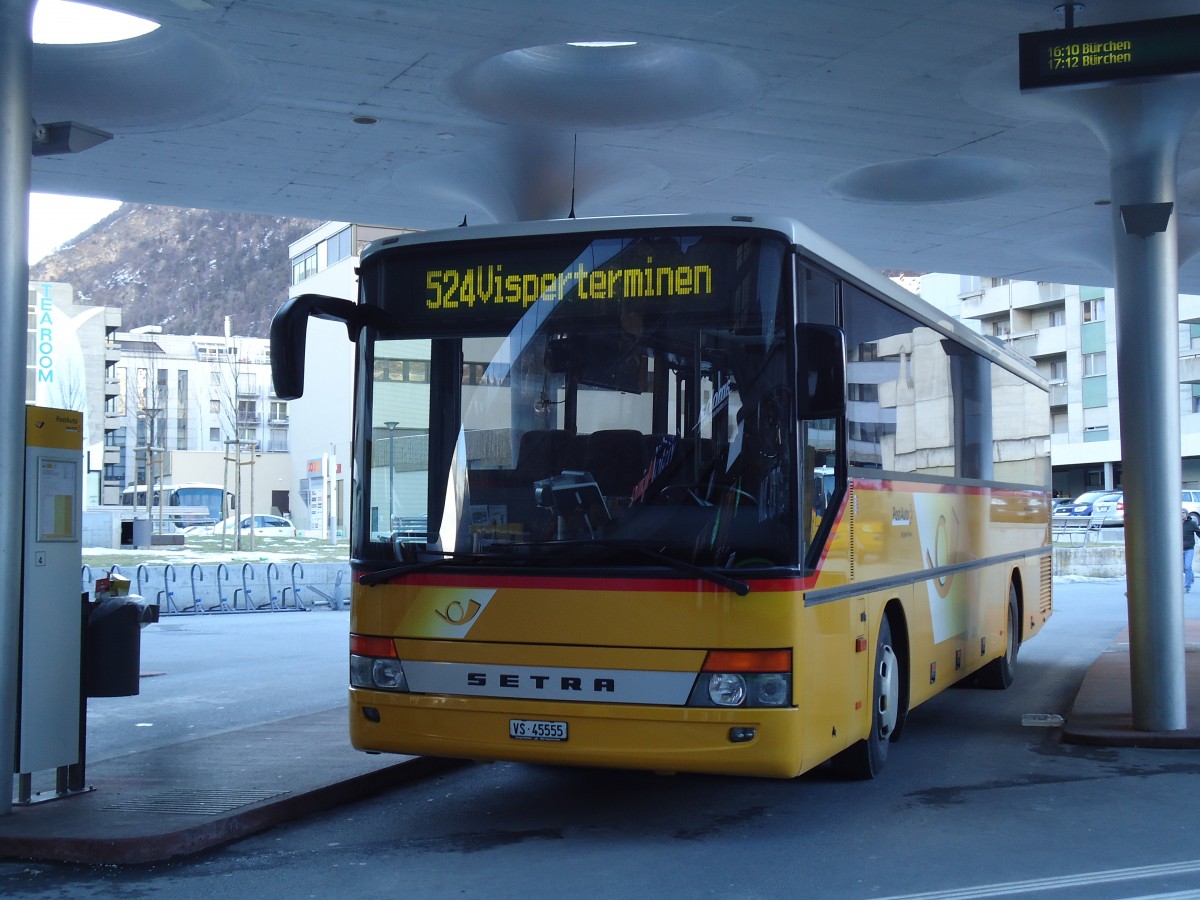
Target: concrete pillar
16	135
1141	126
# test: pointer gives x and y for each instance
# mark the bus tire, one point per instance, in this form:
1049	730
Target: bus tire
999	673
866	759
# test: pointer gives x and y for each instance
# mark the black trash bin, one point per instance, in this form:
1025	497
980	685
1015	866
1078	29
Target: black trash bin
113	648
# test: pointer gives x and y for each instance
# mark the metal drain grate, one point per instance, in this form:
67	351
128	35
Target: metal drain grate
195	802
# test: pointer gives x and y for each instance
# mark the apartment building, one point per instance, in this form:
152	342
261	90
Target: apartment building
205	405
1069	332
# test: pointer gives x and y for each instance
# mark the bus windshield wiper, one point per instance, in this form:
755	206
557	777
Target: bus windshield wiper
374	578
409	568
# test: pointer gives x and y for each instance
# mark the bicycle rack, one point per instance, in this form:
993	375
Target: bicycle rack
334	600
270	591
245	589
223	603
171	607
295	590
197	601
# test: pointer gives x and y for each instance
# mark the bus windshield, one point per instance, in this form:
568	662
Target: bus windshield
582	399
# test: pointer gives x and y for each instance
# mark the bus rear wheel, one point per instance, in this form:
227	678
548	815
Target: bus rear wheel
999	673
866	758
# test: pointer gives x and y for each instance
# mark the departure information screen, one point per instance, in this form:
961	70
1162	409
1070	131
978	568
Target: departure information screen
1098	54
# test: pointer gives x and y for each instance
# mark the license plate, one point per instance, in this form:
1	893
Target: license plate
536	730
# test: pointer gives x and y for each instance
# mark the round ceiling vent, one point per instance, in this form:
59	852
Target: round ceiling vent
159	81
932	180
602	84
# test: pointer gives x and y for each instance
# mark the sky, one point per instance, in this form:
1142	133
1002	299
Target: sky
55	219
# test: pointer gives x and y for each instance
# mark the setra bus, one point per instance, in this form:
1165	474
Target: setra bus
676	493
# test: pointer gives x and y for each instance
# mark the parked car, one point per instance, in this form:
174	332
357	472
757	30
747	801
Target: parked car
1083	504
1112	506
269	526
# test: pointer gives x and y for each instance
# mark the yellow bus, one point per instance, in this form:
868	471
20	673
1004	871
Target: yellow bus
674	493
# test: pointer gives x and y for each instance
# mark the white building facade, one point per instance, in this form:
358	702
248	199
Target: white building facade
1069	332
206	406
324	262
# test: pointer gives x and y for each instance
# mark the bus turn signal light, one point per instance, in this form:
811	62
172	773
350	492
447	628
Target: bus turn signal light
748	661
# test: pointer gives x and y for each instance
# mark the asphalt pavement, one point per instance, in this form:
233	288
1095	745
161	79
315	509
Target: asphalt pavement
193	794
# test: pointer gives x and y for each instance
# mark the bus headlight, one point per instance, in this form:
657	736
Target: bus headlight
771	689
727	689
374	664
744	678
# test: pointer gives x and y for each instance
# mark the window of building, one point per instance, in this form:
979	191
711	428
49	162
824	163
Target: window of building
1093	310
304	265
1058	317
214	435
338	246
279	411
1058	371
415	371
1094	364
247	412
1058	423
122	382
209	352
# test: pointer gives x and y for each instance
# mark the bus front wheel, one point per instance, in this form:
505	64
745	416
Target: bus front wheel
866	758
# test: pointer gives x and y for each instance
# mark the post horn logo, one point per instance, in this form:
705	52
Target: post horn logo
456	613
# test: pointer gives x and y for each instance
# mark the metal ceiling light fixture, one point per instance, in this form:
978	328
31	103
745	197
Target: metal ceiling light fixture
60	138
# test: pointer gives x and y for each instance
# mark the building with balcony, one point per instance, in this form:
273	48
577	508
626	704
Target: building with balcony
1069	334
199	409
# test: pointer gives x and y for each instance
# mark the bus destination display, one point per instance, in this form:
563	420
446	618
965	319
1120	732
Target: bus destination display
1099	54
462	288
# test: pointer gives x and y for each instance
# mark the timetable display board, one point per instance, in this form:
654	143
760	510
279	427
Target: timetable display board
1104	54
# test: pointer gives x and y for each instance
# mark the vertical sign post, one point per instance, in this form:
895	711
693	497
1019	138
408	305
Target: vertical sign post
51	621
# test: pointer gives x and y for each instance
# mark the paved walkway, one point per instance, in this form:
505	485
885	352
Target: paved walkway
191	796
1102	713
187	797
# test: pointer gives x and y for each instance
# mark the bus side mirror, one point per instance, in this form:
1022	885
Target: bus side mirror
821	360
289	334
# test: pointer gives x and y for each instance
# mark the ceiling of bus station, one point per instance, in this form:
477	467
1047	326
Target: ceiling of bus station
895	128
